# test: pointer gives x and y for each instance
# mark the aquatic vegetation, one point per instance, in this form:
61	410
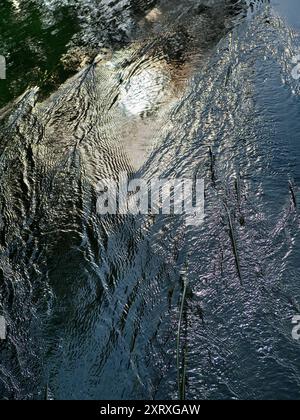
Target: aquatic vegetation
293	194
234	244
181	367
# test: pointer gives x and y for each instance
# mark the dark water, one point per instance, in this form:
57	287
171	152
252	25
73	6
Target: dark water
33	45
92	303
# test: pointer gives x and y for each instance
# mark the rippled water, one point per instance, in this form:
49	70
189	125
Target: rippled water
289	10
92	303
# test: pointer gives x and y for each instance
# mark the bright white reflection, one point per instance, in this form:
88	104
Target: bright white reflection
16	4
143	92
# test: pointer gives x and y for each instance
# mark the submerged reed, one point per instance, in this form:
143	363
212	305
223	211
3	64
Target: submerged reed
181	372
293	194
234	245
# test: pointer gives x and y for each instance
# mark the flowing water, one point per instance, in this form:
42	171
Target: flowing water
92	303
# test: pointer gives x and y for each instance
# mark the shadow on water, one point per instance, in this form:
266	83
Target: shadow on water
92	303
33	46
